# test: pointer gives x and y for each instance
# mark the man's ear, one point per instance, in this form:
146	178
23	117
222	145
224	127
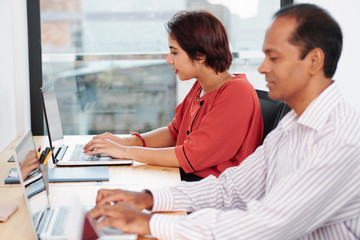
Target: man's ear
316	58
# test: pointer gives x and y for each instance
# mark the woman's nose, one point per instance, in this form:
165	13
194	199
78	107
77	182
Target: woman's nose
169	59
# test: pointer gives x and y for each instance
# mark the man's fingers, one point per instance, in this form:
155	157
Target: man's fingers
109	199
106	197
103	193
110	222
102	210
121	217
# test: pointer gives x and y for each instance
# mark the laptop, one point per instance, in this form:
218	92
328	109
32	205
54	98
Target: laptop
65	222
68	154
46	222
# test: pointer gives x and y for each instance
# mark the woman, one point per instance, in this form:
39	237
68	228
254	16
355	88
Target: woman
218	124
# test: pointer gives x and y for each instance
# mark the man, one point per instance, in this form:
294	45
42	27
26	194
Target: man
302	183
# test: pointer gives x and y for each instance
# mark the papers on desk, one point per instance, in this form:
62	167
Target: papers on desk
71	174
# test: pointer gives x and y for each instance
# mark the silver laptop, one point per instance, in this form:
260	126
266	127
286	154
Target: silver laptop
48	222
68	154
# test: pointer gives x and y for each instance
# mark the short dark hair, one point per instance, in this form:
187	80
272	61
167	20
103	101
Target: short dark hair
201	33
316	29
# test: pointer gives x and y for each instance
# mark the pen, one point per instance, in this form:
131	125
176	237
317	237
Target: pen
46	152
47	157
38	151
41	159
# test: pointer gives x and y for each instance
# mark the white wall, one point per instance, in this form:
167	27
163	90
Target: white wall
347	15
14	80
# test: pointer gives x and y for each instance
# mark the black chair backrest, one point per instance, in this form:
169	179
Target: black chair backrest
272	111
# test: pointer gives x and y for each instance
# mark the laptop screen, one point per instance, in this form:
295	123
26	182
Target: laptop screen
51	111
31	177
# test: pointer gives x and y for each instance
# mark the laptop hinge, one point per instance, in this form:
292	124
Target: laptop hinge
61	153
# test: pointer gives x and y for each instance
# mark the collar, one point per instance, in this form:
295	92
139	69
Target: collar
317	113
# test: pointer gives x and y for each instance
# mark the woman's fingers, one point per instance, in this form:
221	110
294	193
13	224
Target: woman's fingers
94	145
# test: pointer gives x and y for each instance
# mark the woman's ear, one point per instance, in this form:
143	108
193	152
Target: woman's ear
201	58
316	60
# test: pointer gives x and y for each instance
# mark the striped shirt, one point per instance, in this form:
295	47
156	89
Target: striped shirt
302	183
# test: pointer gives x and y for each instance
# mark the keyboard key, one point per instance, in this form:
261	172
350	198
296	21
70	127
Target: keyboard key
79	155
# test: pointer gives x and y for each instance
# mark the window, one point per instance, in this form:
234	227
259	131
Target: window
108	58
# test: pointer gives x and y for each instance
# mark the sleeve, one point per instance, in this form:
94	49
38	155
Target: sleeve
222	130
301	202
231	189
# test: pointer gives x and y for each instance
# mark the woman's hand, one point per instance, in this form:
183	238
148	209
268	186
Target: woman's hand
122	217
30	163
160	148
106	146
120	140
138	200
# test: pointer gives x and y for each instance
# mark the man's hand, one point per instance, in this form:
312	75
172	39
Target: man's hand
123	217
138	200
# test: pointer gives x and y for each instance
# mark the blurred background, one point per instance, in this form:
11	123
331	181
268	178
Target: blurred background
108	58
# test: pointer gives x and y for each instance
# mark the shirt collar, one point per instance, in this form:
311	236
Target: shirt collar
317	113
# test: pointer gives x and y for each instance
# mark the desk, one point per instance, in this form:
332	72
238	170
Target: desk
134	177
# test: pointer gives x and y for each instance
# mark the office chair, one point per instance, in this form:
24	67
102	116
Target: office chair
272	111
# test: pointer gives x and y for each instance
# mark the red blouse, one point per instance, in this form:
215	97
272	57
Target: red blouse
218	130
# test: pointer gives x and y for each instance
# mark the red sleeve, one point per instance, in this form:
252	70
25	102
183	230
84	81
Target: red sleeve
226	129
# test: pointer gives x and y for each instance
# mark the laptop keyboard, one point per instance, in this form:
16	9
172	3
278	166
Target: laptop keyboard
60	221
79	155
